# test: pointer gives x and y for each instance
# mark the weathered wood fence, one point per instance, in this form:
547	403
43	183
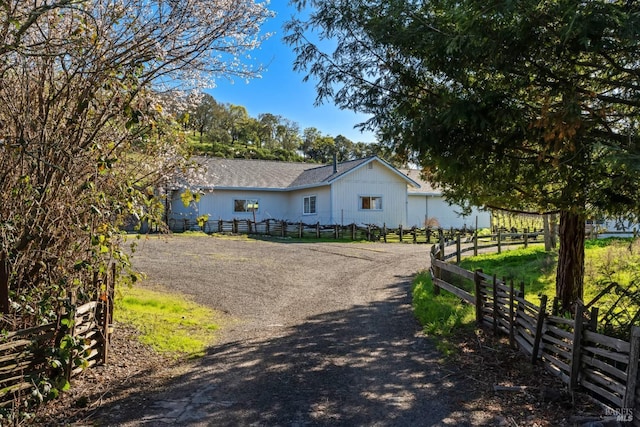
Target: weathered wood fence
288	229
604	366
371	232
27	356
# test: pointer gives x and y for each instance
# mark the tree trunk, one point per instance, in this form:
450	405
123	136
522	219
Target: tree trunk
570	273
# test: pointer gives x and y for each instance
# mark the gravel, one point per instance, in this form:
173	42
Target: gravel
316	334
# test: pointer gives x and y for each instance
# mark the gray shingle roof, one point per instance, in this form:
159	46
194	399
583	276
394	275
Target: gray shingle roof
241	173
425	186
325	174
223	173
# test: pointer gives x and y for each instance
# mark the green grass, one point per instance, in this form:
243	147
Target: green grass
439	314
606	261
168	322
533	266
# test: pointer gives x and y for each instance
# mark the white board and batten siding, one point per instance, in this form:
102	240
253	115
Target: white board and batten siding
427	203
322	212
371	180
435	210
219	204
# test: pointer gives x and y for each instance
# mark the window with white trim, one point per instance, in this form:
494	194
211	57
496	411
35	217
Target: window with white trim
309	205
370	203
245	205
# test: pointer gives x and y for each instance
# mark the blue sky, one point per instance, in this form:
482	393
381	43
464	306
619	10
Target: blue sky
281	90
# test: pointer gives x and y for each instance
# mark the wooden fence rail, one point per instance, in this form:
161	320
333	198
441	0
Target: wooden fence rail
604	366
371	232
281	228
28	354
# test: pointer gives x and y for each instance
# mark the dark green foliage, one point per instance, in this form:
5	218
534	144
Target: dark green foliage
526	105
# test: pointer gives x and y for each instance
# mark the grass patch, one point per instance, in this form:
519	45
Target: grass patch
439	314
168	322
533	266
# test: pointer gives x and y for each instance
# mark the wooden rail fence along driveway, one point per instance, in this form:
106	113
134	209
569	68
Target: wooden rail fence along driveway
27	354
603	366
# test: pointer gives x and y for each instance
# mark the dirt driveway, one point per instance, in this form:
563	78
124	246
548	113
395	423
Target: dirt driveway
323	335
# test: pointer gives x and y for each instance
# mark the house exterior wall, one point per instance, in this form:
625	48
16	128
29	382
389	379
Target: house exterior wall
323	205
371	180
423	206
219	204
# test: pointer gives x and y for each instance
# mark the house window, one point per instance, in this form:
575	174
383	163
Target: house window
245	205
309	205
373	203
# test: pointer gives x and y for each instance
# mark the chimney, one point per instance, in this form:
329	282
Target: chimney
335	162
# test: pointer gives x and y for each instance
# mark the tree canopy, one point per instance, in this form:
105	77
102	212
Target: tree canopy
227	130
519	105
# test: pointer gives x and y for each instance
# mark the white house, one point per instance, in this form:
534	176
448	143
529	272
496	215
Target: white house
427	206
363	191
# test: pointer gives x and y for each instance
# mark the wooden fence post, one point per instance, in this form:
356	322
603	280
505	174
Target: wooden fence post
283	229
512	335
458	249
438	273
576	348
353	231
318	230
593	319
628	400
475	242
494	292
477	280
384	232
526	238
400	232
301	226
539	323
499	241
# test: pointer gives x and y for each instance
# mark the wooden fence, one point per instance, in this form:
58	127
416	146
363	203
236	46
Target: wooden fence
603	366
28	355
371	232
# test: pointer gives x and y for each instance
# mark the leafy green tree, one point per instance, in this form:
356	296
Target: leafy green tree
238	118
201	120
288	134
344	148
527	105
309	138
268	130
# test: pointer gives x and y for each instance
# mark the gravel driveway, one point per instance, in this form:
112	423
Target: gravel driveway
323	334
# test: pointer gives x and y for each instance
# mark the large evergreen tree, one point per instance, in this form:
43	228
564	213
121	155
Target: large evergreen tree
528	105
